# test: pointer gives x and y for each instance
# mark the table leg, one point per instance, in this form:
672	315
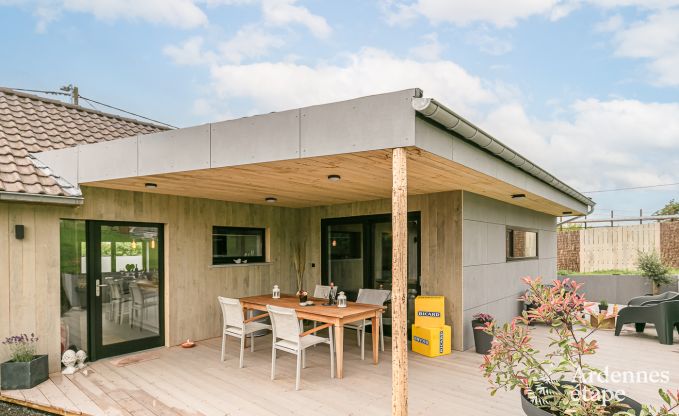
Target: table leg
339	349
376	339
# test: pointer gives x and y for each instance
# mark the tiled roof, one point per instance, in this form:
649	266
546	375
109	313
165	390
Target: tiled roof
32	124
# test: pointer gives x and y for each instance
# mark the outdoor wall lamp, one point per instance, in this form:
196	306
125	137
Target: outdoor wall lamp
567	213
19	231
518	196
334	178
150	185
271	199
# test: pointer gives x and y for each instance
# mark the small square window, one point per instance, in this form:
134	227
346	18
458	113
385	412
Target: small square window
521	244
233	245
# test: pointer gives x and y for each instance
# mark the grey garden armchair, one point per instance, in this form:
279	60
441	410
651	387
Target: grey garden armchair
652	300
663	314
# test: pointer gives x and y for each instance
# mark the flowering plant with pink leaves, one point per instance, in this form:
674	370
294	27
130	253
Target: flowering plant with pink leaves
483	318
555	381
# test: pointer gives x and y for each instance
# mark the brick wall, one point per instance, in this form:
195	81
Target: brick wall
568	250
669	243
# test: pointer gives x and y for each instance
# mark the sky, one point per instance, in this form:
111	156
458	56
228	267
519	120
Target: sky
587	89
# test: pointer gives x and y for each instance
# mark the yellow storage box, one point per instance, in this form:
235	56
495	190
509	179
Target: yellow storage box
432	342
429	311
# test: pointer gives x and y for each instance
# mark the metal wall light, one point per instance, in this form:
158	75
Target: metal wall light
518	196
334	178
19	231
150	185
271	199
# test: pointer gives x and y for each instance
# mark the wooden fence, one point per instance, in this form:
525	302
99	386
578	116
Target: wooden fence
607	248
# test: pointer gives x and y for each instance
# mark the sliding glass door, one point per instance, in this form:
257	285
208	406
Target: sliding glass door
356	253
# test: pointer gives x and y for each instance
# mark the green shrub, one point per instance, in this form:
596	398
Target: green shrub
652	267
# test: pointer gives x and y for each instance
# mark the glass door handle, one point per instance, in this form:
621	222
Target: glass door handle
98	286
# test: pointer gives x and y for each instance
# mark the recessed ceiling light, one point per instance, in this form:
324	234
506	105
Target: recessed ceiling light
518	196
334	178
271	199
151	185
567	212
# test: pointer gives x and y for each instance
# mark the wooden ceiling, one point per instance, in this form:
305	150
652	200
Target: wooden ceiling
304	182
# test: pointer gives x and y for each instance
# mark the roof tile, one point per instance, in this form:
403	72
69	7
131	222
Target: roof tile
32	124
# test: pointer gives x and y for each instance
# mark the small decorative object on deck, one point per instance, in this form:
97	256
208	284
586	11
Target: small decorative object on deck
482	340
341	300
431	342
429	311
332	294
603	306
302	296
188	344
81	356
276	292
25	369
69	360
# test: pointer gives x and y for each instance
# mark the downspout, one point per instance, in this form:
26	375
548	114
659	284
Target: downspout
436	111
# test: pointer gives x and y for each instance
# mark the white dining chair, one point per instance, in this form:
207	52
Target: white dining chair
140	305
321	291
238	327
372	297
288	337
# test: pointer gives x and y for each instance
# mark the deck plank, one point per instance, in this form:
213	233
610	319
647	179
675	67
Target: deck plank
195	382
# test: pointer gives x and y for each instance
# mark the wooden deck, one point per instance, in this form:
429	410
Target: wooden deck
195	382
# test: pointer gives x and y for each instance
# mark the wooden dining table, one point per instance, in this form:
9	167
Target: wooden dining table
334	315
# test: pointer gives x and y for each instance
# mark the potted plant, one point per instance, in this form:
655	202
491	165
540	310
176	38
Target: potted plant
652	268
482	339
556	382
25	369
603	306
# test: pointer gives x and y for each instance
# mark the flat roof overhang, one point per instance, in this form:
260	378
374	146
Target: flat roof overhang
289	155
304	182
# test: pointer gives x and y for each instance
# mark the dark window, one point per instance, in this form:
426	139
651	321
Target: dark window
231	245
521	244
345	245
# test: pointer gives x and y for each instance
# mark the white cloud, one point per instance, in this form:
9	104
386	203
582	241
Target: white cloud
190	52
285	12
487	43
612	24
184	14
430	49
279	85
497	13
249	42
656	39
179	13
598	144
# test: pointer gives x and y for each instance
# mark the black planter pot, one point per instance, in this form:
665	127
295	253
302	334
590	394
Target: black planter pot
482	341
302	299
25	375
531	410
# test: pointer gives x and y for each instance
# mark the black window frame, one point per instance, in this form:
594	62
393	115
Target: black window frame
226	230
509	249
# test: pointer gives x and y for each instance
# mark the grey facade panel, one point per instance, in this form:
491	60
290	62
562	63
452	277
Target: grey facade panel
174	150
490	283
264	138
114	159
370	123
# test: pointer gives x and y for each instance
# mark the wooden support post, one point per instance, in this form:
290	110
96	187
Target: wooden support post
399	283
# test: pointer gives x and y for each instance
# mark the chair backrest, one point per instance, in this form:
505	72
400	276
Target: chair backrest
373	296
321	291
116	290
232	311
284	323
137	296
